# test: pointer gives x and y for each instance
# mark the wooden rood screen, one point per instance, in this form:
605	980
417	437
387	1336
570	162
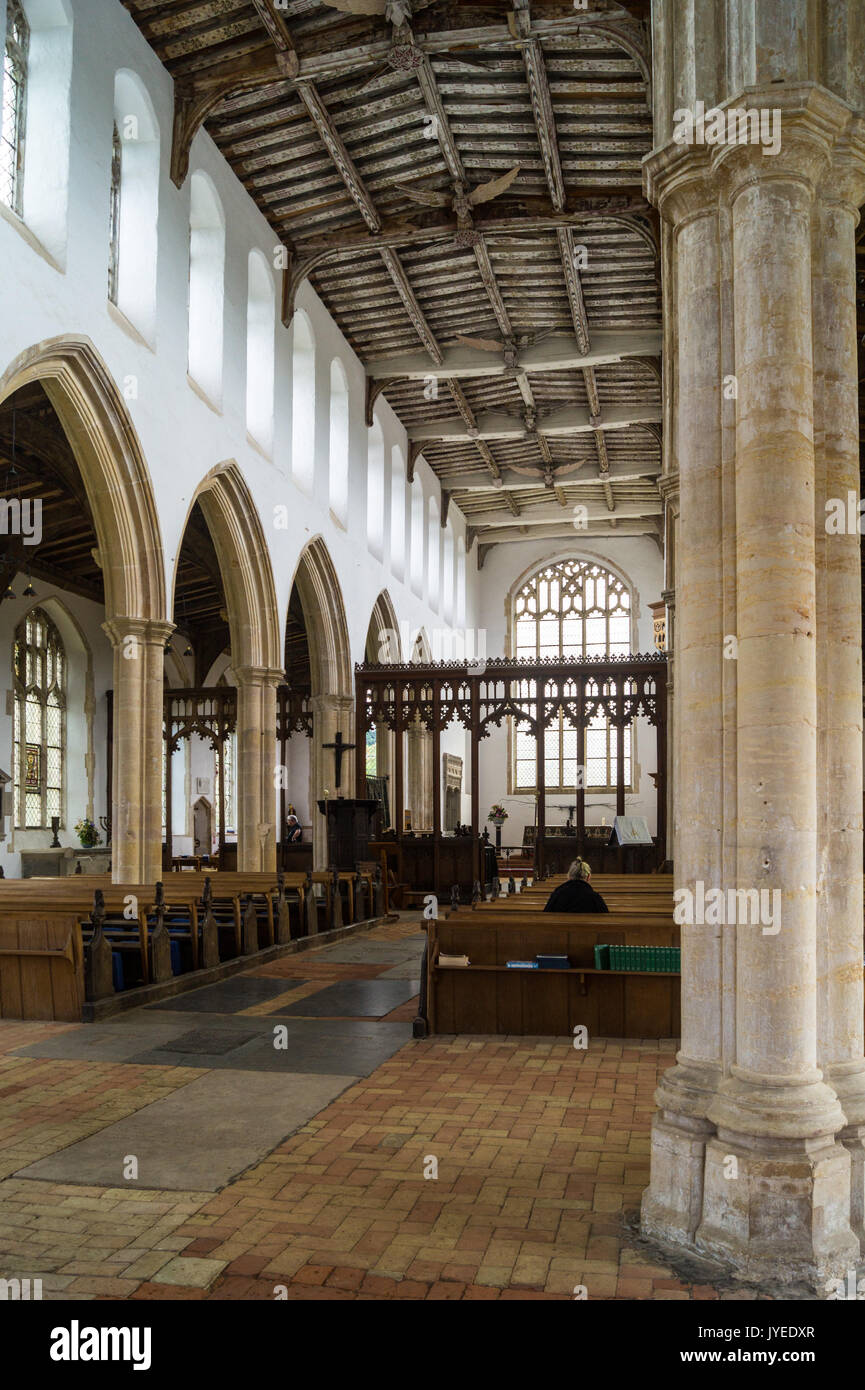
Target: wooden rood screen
481	694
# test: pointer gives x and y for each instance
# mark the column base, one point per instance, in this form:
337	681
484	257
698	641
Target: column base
778	1210
673	1202
847	1079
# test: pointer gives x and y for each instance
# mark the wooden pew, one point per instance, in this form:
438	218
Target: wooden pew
490	997
41	967
130	912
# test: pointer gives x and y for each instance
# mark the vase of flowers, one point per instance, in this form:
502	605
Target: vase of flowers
498	815
87	833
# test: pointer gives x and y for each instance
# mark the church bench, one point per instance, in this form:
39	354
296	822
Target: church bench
130	911
41	967
488	996
617	905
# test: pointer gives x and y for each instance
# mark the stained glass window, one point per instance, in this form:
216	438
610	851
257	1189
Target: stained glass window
12	118
574	608
39	674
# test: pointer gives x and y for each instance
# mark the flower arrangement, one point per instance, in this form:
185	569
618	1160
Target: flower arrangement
497	814
87	833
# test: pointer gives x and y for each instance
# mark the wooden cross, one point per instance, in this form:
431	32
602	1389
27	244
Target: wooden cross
339	748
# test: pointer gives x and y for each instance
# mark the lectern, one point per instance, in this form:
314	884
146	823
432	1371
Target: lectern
350	827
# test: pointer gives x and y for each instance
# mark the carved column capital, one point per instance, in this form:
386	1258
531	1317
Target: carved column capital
149	631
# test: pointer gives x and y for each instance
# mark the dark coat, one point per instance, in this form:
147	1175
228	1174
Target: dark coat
575	896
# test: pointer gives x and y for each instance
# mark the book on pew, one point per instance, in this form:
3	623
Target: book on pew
522	965
553	963
453	962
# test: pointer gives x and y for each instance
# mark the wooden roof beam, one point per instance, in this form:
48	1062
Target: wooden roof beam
553	354
508	534
347	171
453	160
571	420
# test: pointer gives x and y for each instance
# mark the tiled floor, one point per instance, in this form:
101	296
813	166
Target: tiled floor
343	1161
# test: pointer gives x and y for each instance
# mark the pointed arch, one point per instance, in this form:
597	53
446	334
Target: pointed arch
383	635
327	629
112	466
244	562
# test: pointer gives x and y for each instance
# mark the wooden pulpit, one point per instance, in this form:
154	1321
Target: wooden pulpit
351	824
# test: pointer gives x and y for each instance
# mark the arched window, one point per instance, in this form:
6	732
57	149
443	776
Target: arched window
448	576
39	676
434	555
397	513
206	286
375	491
417	538
114	215
14	117
135	201
577	609
302	402
260	329
338	461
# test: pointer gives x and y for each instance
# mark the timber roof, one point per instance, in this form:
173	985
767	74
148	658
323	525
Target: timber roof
326	117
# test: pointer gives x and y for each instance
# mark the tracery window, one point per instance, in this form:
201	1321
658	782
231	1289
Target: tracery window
39	675
577	609
14	106
114	215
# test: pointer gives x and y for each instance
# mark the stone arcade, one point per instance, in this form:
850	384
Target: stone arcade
472	389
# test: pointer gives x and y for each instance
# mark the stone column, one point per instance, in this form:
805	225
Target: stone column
419	775
777	1183
839	652
678	179
256	767
136	792
668	486
330	713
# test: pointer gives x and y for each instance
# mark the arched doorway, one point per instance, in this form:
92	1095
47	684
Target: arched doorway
77	448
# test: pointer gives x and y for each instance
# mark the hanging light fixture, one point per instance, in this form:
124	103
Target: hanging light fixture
28	591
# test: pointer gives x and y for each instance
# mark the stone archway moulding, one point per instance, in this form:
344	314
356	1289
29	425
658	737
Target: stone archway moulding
327	629
109	456
244	564
111	462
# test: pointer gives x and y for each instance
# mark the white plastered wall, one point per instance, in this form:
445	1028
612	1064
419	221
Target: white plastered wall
58	288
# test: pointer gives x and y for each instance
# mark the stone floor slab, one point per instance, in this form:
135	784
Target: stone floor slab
199	1137
351	999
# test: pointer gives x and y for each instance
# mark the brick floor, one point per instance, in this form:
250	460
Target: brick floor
462	1168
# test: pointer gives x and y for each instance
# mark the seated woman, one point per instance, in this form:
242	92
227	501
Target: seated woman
293	830
576	895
